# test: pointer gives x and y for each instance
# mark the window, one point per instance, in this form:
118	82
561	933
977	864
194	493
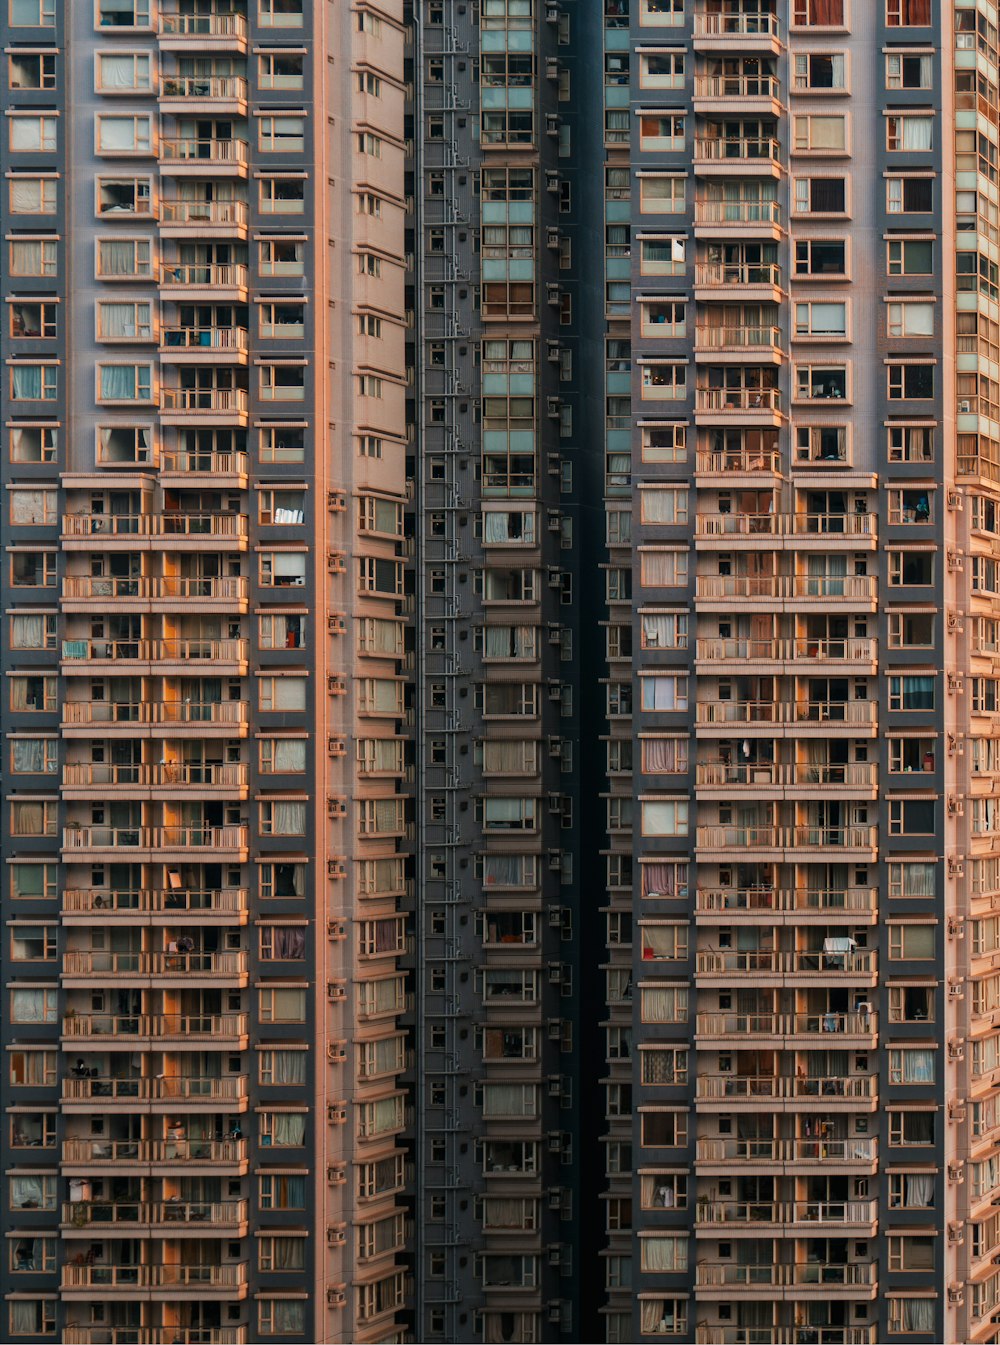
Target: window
282	256
281	1254
32	195
818	13
282	443
908	1315
660	131
282	693
32	14
281	195
819	134
910	382
911	1066
820	195
34	382
34	756
662	568
34	257
910	319
907	941
911	443
909	195
664	817
32	134
280	1005
118	135
663	382
124	320
34	1006
33	569
32	632
282	320
281	134
123	14
281	1316
660	1252
280	13
827	321
123	72
910	257
662	195
911	693
821	258
909	134
904	70
817	70
283	382
119	197
911	1253
282	818
124	259
124	382
908	13
32	882
280	70
281	631
32	1318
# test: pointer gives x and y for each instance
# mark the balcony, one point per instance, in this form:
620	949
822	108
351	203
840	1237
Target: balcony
197	34
76	1333
214	95
181	156
139	532
804	844
212	469
730	529
207	219
856	1030
778	655
165	719
760	219
219	906
858	964
224	780
149	845
741	34
809	592
786	1335
221	1281
802	902
93	1155
774	714
801	1274
204	281
738	94
162	658
737	156
857	1215
226	594
225	1216
740	344
853	1152
164	1093
141	1031
191	345
158	971
858	1092
748	466
737	281
858	779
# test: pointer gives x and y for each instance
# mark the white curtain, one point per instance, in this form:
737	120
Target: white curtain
116	258
289	1067
386	695
507	757
118	72
663	1253
290	693
26	381
124	321
126	134
917	133
918	1191
26	195
26	259
25	1317
28	632
664	693
665	817
29	506
28	755
290	755
918	1314
663	506
918	1066
118	382
664	755
288	1129
29	1193
503	870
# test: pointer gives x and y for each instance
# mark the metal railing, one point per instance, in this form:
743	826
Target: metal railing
227	901
200	213
181	149
173	1088
204	86
87	962
854	899
742	648
228	1025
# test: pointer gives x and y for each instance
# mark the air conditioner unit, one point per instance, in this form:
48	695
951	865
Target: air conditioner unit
956	990
336	501
956	1171
956	1232
336	1113
336	623
336	1235
336	867
956	1295
336	1296
954	499
336	1174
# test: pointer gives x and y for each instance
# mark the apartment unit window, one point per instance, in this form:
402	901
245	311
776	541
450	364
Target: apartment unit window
911	1253
125	320
32	195
29	1255
282	1067
911	1315
281	1254
819	134
910	382
282	818
662	568
281	1316
34	631
826	321
906	71
123	14
289	14
282	693
912	1066
909	134
662	256
124	259
32	1317
910	443
664	1004
282	256
910	319
283	382
821	258
663	1253
124	135
909	195
910	257
280	70
32	134
34	1006
909	941
662	1066
662	194
912	693
908	13
281	1005
820	195
117	383
125	72
32	13
820	70
664	817
34	382
32	882
912	878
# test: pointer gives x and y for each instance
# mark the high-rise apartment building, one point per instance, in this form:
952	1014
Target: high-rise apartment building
501	582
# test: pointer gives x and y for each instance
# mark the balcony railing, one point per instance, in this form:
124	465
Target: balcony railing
228	87
206	275
860	1149
174	1276
173	524
225	588
204	338
787	712
215	464
736	400
232	837
736	86
741	649
713	1087
835	588
717	961
212	1152
76	1333
737	338
201	213
145	712
747	460
737	25
786	525
86	962
203	25
218	1213
784	1212
157	651
216	901
719	275
172	1088
731	899
737	214
181	149
786	1335
737	149
170	1025
785	1024
766	837
719	1275
217	774
851	775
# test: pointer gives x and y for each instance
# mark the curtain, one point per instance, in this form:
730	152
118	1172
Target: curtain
508	1099
25	1317
25	196
126	134
495	527
664	756
289	1314
288	1129
918	1066
288	943
663	1004
117	72
118	321
505	812
918	693
290	754
388	754
28	819
288	819
289	1253
657	631
385	1115
28	755
388	814
917	133
662	506
29	506
386	636
660	942
116	258
665	817
658	880
503	870
26	381
29	1193
118	382
918	1191
663	569
386	695
918	1314
664	693
288	1067
663	1253
653	1311
916	13
502	757
918	880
